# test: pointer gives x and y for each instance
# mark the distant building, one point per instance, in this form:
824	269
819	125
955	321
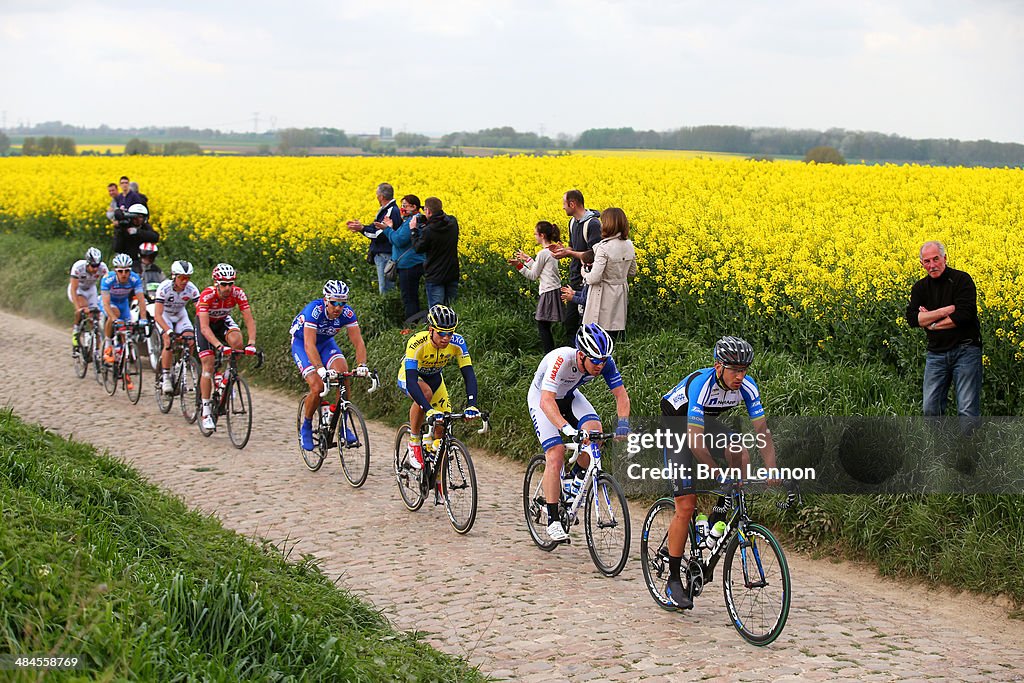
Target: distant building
385	133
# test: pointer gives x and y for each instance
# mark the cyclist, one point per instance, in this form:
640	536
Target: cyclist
116	290
217	328
82	288
426	354
315	351
701	397
557	407
170	315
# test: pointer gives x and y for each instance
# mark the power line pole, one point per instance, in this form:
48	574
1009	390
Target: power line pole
256	122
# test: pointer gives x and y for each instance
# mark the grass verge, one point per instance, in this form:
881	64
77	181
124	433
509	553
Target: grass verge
97	563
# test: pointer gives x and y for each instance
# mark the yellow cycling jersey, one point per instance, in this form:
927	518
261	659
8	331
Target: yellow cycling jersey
427	359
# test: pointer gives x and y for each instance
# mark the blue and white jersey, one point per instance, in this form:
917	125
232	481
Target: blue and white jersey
314	317
559	373
703	395
119	291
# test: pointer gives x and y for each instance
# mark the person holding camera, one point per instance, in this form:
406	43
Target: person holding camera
438	239
132	229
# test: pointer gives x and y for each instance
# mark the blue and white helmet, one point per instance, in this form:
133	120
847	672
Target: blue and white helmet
93	256
336	290
594	342
122	261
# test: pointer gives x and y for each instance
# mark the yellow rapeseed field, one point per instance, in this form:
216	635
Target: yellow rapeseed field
791	242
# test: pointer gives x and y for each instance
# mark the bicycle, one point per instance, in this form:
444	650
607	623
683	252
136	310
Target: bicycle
332	418
231	398
607	529
127	366
151	344
457	487
184	378
755	579
89	351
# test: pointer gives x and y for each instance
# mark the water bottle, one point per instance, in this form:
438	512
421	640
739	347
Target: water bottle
325	412
218	380
717	531
428	440
702	529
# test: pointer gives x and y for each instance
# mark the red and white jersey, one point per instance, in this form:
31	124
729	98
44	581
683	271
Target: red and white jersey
218	307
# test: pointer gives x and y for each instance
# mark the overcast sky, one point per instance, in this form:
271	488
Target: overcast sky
928	68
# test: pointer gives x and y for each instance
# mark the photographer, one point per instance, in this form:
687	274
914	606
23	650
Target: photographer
131	229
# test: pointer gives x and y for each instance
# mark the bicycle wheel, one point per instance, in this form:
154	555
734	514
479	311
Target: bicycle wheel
132	373
458	486
81	359
239	412
756	584
654	549
406	475
314	459
535	504
164	400
152	346
607	524
188	389
110	377
355	457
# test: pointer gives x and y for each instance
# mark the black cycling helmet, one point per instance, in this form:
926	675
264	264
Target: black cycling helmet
443	318
734	351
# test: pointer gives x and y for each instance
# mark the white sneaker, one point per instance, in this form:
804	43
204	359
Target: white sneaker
556	533
167	386
208	423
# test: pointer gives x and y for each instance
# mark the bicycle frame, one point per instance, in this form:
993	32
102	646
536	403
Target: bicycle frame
441	449
333	380
596	438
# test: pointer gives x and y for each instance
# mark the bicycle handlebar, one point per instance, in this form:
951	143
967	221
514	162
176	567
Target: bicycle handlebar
447	418
332	377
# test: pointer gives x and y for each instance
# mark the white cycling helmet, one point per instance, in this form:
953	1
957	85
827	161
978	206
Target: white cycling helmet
224	272
181	268
93	256
336	290
122	261
138	210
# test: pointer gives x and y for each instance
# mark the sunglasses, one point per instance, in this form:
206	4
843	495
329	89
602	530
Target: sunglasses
335	303
736	368
225	284
445	335
122	270
598	361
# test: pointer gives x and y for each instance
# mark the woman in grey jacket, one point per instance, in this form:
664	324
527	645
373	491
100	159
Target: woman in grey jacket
544	268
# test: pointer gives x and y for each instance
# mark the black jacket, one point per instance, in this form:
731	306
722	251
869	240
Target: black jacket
127	238
379	242
439	240
952	287
583	235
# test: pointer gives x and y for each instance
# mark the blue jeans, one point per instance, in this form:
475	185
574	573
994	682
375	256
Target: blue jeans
409	286
441	293
960	366
382	282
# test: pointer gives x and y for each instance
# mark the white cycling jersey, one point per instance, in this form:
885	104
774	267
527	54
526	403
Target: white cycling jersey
87	280
174	301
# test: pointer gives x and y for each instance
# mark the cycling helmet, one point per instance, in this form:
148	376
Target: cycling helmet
138	210
93	256
734	351
147	249
224	272
181	268
336	290
122	261
594	342
443	318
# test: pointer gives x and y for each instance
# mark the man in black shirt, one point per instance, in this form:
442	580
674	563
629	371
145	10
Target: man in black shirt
584	233
945	304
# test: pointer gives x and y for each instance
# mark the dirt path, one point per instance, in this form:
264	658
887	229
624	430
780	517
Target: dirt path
492	596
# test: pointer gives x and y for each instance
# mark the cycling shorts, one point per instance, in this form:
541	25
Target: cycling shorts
92	299
328	350
574	407
123	307
220	328
179	324
439	399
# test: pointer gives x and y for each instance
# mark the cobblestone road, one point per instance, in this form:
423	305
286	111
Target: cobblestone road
491	596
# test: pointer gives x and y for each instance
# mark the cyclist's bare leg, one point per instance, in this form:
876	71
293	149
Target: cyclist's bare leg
166	357
339	364
554	458
416	413
233	337
206	378
679	527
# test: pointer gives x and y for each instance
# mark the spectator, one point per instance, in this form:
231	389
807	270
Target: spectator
132	230
584	233
614	262
143	199
114	206
380	248
945	304
545	268
409	263
127	198
438	239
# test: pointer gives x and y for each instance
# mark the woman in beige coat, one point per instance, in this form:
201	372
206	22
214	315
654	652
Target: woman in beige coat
614	262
